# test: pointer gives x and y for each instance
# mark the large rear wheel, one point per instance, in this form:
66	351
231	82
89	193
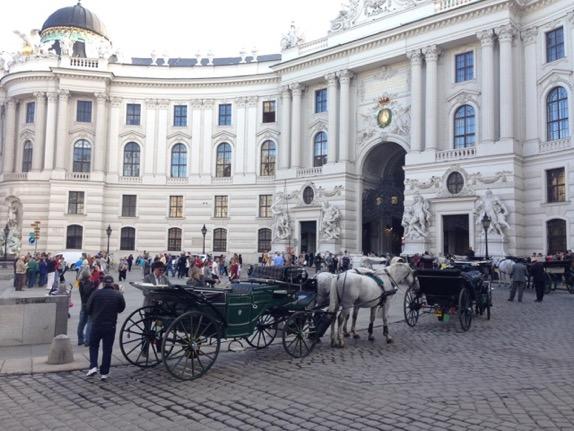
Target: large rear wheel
299	335
411	307
464	309
264	333
191	345
141	336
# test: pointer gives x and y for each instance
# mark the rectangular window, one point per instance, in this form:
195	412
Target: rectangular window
30	109
75	202
180	115
133	114
84	111
225	114
321	100
129	205
464	66
556	185
128	238
176	206
265	206
220	207
555	44
269	111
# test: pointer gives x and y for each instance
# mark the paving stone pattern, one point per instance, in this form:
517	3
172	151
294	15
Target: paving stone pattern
514	372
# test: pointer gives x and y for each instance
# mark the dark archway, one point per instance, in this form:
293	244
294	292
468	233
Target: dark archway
383	180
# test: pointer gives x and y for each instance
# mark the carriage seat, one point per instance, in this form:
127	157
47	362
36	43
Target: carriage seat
303	300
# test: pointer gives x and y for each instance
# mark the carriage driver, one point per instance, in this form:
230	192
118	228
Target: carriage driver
156	277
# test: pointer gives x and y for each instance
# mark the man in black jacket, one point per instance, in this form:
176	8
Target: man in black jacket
103	308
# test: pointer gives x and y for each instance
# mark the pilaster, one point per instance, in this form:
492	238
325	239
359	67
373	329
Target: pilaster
530	110
431	107
285	143
100	147
162	151
297	92
10	139
333	129
345	151
62	147
506	35
417	97
40	131
113	136
51	125
150	130
487	80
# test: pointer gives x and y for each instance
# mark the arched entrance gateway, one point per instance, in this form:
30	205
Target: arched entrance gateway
382	179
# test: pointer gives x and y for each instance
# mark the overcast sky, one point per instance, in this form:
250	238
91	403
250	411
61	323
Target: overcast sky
181	28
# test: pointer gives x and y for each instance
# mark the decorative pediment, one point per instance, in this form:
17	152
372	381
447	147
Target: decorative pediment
223	135
27	133
82	130
267	134
556	76
464	96
134	134
319	125
179	135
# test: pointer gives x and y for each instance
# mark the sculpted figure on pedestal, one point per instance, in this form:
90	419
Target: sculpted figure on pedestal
492	207
330	221
281	220
416	218
292	38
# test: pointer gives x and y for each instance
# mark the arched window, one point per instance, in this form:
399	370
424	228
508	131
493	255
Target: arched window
223	161
174	239
557	114
320	149
132	160
220	240
27	157
464	127
556	235
74	235
82	156
179	161
264	240
268	157
128	238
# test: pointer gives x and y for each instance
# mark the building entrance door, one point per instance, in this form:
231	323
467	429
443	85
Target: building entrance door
456	232
309	237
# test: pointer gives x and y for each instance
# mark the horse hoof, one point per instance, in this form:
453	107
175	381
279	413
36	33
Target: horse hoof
371	338
346	335
356	336
389	341
334	344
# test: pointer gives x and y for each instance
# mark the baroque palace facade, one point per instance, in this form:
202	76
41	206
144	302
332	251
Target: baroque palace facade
397	132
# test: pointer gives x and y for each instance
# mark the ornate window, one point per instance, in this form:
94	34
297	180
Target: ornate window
223	160
555	44
179	161
268	157
220	240
30	108
176	206
224	114
131	160
556	235
84	111
321	100
455	183
265	206
464	66
180	116
133	114
128	238
308	195
320	149
557	114
82	156
75	202
74	235
264	240
220	207
27	156
129	203
555	185
174	239
464	127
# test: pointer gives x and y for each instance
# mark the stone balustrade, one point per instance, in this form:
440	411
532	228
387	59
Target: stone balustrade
177	180
221	180
15	176
78	176
557	145
441	5
88	63
309	172
130	180
455	154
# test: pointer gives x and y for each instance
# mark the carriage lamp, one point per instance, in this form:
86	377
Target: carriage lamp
485	225
203	232
6	233
108	233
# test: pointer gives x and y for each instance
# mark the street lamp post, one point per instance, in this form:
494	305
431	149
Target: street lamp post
108	233
485	225
6	233
203	232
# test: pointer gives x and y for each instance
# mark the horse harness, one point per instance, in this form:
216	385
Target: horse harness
383	298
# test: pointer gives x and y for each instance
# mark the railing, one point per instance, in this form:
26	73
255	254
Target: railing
450	4
130	180
549	146
221	180
456	154
314	45
78	176
177	180
89	63
15	176
309	172
266	179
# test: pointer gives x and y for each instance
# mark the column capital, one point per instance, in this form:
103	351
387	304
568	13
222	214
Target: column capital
10	103
431	53
529	35
345	76
331	79
101	97
285	91
486	37
116	101
150	103
252	101
415	56
296	88
505	32
570	17
162	103
208	103
240	102
196	104
63	94
39	95
52	96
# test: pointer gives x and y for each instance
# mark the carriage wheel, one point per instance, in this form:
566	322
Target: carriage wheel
191	345
411	307
464	309
140	337
299	334
264	333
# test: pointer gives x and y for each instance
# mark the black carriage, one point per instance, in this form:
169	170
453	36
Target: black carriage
185	326
446	293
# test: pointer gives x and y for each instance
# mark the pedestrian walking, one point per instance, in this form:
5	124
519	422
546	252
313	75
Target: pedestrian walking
539	278
87	288
518	275
103	308
20	279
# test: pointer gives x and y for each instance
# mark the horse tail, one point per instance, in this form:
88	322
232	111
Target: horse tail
333	296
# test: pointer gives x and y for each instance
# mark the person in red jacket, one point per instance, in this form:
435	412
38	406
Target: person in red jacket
234	270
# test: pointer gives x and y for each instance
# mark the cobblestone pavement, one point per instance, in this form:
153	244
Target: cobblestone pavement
514	372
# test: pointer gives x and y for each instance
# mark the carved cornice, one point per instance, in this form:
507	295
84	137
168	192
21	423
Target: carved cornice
159	83
486	37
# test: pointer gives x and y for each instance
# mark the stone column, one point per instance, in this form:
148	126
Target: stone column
345	153
529	37
149	150
100	146
196	106
416	58
51	121
10	138
207	144
431	107
297	91
505	35
333	129
161	145
239	155
113	132
251	132
40	127
285	143
62	147
487	80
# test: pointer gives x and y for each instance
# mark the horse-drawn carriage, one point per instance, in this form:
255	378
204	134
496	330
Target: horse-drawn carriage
447	293
184	328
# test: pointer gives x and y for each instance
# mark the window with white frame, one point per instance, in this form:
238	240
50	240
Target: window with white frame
555	44
464	66
320	149
557	114
464	127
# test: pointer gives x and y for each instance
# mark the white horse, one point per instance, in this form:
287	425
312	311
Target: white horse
504	267
357	289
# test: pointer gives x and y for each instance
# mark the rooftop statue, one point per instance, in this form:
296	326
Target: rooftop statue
292	38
